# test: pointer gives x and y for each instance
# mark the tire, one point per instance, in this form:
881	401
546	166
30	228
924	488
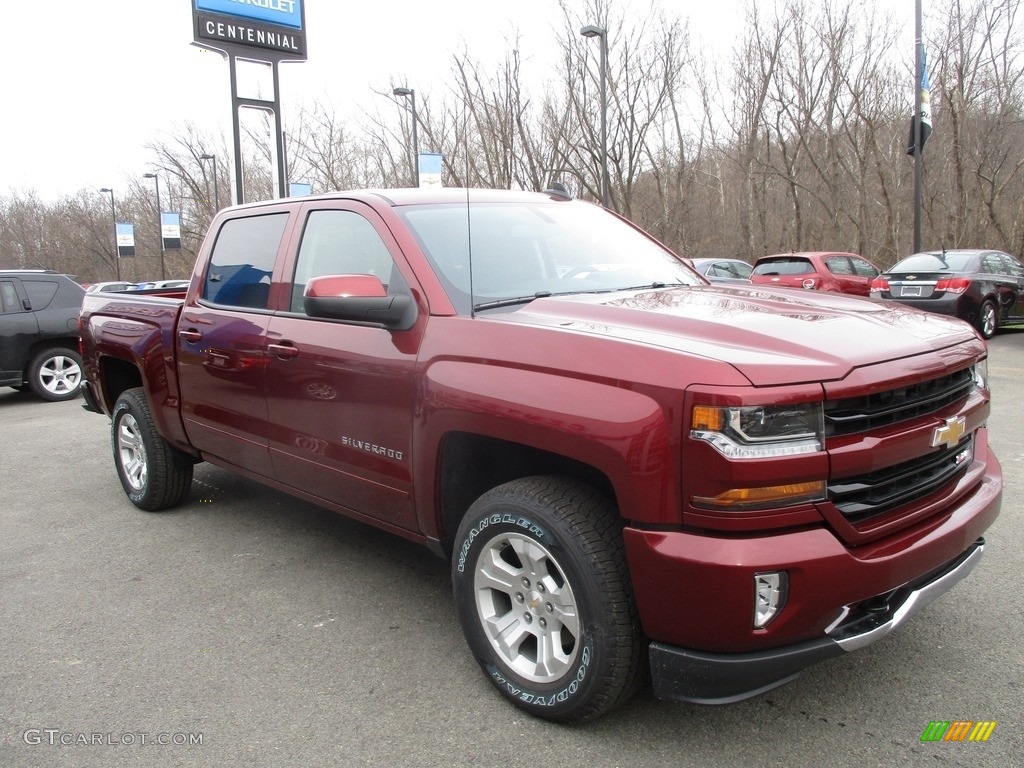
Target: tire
988	319
55	374
544	598
154	475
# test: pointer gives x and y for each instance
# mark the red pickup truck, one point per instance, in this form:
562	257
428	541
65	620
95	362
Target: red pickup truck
631	471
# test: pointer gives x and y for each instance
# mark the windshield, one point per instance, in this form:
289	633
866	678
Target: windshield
784	267
935	262
524	250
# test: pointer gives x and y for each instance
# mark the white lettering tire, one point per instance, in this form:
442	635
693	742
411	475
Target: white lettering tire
543	594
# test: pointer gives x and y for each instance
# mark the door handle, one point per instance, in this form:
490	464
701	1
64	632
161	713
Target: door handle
191	336
283	351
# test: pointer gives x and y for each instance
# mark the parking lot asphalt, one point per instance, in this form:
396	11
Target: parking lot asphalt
246	628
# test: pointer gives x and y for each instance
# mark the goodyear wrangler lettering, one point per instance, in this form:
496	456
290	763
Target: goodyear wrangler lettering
555	698
495	519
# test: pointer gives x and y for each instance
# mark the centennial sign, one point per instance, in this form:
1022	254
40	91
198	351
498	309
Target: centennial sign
268	31
276	26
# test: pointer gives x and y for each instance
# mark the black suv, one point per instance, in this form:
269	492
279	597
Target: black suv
39	332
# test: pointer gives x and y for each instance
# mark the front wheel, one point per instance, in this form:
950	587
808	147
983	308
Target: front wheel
155	475
988	320
55	374
544	598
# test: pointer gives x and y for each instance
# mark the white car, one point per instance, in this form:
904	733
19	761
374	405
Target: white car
112	286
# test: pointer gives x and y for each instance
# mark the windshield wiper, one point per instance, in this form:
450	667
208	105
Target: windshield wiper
511	302
655	284
517	300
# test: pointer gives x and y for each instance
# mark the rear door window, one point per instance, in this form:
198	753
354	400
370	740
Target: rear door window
9	297
839	265
40	292
863	267
243	261
992	264
1012	266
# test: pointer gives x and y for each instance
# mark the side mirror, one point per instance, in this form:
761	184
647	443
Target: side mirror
358	299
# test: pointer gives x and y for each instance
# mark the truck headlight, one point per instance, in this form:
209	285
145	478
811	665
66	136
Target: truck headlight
760	431
980	372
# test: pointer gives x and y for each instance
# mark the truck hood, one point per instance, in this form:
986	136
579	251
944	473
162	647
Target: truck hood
772	336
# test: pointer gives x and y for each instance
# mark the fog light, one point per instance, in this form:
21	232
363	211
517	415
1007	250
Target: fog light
769	596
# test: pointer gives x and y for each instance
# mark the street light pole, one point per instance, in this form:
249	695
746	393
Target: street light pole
592	31
918	77
159	223
216	192
415	141
113	217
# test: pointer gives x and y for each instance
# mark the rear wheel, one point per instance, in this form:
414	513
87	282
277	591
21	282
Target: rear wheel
544	598
988	319
155	475
55	374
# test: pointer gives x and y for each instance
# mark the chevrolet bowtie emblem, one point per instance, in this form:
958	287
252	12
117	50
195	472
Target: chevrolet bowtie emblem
950	433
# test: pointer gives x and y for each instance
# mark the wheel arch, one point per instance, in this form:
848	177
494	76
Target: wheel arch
51	342
469	465
484	425
117	376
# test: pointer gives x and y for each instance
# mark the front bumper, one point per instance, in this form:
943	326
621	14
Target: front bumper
695	591
709	678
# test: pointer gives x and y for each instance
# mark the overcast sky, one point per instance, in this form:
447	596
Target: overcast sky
88	84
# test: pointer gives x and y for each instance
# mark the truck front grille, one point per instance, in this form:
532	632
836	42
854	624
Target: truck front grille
862	414
860	498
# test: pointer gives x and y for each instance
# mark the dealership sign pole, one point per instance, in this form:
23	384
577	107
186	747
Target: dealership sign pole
921	125
260	31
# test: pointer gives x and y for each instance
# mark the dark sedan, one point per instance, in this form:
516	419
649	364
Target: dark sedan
985	288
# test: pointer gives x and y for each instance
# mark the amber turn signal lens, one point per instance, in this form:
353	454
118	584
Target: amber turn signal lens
707	418
765	497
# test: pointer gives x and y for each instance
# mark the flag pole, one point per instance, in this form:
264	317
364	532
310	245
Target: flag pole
918	79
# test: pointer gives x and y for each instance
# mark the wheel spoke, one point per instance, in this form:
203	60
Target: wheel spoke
551	659
531	555
509	633
495	573
132	453
564	614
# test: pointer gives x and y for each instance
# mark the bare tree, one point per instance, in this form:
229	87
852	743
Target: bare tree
798	141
